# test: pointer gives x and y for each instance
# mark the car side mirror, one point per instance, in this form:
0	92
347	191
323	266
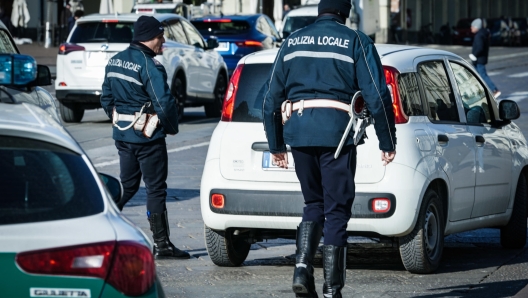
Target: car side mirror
43	76
113	185
508	110
212	42
285	34
17	70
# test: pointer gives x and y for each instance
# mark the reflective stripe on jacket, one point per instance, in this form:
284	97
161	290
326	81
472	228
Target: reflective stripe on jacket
132	78
326	60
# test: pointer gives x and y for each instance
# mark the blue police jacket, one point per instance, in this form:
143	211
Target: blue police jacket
481	46
132	78
326	60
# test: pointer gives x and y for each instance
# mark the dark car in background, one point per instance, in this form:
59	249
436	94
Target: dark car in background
239	35
462	32
508	31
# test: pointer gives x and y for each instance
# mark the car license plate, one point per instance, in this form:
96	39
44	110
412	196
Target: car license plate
222	46
268	165
97	59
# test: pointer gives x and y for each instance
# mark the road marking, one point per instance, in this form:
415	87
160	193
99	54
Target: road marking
116	161
519	75
517	96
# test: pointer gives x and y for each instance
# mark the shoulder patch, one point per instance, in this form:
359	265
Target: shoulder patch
156	62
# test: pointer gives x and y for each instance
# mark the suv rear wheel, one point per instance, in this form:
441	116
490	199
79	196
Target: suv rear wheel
178	91
226	249
421	250
214	109
71	112
513	235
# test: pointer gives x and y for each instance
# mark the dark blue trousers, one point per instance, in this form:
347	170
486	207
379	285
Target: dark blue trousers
328	188
150	161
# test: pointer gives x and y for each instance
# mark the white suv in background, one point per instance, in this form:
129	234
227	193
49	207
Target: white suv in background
196	73
461	164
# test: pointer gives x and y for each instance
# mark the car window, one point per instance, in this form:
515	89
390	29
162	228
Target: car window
263	27
250	93
227	27
119	32
473	95
174	31
438	91
6	46
195	38
40	181
295	23
409	92
273	30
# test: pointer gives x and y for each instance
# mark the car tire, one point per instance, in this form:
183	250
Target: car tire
226	249
214	109
71	112
421	250
513	235
178	91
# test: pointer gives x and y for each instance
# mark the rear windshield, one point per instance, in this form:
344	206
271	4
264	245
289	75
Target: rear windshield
248	103
223	27
40	181
118	32
295	23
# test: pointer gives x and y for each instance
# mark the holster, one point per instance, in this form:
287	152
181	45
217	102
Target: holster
151	125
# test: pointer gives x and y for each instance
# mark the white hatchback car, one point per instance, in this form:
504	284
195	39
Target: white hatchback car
196	73
461	164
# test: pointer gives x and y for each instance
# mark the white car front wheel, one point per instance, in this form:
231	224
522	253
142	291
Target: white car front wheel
421	250
225	248
513	235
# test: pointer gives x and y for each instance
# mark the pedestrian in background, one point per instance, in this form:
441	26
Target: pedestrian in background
135	95
316	81
71	22
480	51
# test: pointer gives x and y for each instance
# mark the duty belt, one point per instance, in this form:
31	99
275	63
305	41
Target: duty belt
143	122
287	107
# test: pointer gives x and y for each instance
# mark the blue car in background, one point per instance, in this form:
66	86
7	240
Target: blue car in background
239	35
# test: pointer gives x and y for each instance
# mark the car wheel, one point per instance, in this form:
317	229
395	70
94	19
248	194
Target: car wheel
213	110
421	250
226	249
178	91
71	112
513	235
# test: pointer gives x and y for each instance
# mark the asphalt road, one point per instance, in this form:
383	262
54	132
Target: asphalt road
474	264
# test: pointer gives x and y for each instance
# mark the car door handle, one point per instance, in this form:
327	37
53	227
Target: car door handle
443	139
480	140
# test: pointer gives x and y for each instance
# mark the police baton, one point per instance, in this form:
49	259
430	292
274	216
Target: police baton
359	119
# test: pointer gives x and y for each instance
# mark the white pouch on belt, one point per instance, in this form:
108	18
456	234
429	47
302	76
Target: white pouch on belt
141	122
151	125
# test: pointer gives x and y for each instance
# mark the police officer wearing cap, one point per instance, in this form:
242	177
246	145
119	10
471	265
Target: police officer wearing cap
138	100
317	71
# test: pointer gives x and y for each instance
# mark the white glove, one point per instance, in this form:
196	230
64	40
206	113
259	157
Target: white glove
472	57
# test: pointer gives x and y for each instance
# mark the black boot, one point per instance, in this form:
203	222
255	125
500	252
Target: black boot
334	258
163	248
308	237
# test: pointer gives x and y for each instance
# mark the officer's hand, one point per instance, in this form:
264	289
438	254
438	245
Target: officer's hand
280	159
387	157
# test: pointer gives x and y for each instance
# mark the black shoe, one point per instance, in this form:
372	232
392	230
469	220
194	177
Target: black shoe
308	237
334	266
163	248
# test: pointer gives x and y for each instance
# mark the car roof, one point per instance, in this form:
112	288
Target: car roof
235	17
29	121
132	17
393	55
310	10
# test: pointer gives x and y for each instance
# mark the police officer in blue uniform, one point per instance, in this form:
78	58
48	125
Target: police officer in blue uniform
138	100
317	71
